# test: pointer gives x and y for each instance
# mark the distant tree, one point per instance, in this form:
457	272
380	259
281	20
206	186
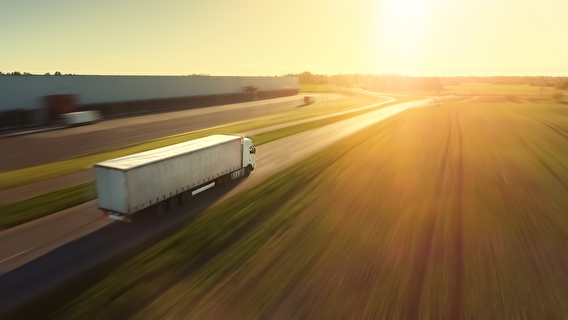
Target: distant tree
57	73
561	85
47	74
27	74
306	77
16	73
1	74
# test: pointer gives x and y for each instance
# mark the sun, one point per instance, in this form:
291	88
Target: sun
402	17
402	28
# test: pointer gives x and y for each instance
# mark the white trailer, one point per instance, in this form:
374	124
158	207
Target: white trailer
169	176
80	118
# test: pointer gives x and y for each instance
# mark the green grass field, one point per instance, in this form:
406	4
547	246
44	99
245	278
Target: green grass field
485	89
23	211
451	211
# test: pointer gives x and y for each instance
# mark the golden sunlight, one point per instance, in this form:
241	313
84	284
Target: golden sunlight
405	16
402	27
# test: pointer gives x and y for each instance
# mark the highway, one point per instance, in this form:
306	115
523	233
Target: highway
67	225
39	148
59	250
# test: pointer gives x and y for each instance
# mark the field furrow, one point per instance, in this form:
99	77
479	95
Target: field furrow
458	254
425	245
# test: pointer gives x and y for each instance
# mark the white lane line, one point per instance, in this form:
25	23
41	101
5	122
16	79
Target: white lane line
17	254
505	179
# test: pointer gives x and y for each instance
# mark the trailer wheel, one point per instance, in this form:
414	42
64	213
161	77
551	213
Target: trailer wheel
160	209
184	198
173	203
247	171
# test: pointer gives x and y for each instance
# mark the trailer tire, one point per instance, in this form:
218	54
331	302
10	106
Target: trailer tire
184	198
173	203
160	209
247	171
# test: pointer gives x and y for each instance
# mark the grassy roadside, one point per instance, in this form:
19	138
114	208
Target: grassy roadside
272	205
30	209
312	88
16	178
37	207
266	137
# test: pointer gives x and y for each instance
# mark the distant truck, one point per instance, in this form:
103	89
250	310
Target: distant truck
167	177
309	99
79	118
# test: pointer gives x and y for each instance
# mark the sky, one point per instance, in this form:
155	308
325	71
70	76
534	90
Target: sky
277	37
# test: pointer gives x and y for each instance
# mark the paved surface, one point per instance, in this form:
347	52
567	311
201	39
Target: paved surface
35	149
54	251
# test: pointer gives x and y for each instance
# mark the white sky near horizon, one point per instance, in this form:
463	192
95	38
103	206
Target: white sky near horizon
254	37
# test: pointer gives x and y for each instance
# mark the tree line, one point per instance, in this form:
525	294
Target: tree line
57	73
17	73
536	81
362	80
380	82
357	79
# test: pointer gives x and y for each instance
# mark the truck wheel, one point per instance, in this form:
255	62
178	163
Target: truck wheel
173	203
247	171
184	198
160	209
224	180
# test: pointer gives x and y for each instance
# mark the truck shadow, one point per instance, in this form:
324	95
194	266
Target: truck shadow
39	288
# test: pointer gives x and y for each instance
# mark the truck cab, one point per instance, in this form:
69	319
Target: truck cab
249	152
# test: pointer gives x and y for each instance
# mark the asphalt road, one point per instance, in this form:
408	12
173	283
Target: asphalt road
39	148
49	254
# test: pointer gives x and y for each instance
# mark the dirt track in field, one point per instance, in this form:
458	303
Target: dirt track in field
420	268
456	305
425	250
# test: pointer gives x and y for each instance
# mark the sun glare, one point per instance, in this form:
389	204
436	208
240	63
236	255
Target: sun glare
404	17
402	26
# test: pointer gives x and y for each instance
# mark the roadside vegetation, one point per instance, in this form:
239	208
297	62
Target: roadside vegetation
523	91
450	211
307	88
30	209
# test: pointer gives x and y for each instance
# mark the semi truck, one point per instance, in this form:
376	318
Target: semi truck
167	177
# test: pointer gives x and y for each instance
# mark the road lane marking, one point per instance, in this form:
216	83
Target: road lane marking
17	254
